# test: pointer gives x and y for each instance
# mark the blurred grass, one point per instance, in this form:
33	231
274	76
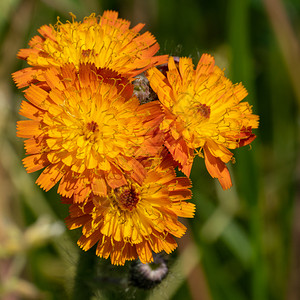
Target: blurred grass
243	243
247	167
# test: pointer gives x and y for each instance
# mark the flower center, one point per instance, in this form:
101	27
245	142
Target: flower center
92	126
127	197
204	110
90	131
87	53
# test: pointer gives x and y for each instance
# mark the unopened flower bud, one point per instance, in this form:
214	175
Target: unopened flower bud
147	276
142	89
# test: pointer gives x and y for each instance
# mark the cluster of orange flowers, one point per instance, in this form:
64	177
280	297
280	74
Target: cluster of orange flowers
112	155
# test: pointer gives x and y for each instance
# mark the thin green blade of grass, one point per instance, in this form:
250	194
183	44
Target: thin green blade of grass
282	201
247	166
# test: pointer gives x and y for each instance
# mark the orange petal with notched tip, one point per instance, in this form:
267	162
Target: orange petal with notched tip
217	169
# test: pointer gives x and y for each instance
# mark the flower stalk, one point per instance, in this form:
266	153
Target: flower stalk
85	276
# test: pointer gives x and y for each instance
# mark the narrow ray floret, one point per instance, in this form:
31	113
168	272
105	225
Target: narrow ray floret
86	131
106	41
204	114
135	220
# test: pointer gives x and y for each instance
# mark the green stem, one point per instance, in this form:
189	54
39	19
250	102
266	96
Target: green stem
85	275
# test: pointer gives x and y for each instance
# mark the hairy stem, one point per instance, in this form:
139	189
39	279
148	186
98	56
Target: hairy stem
85	274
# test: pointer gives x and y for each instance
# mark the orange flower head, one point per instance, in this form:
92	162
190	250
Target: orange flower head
134	220
87	131
107	41
203	112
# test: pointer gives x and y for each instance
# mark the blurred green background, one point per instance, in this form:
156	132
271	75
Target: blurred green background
243	243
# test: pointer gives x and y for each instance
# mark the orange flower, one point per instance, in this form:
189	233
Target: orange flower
203	110
87	131
135	219
107	41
